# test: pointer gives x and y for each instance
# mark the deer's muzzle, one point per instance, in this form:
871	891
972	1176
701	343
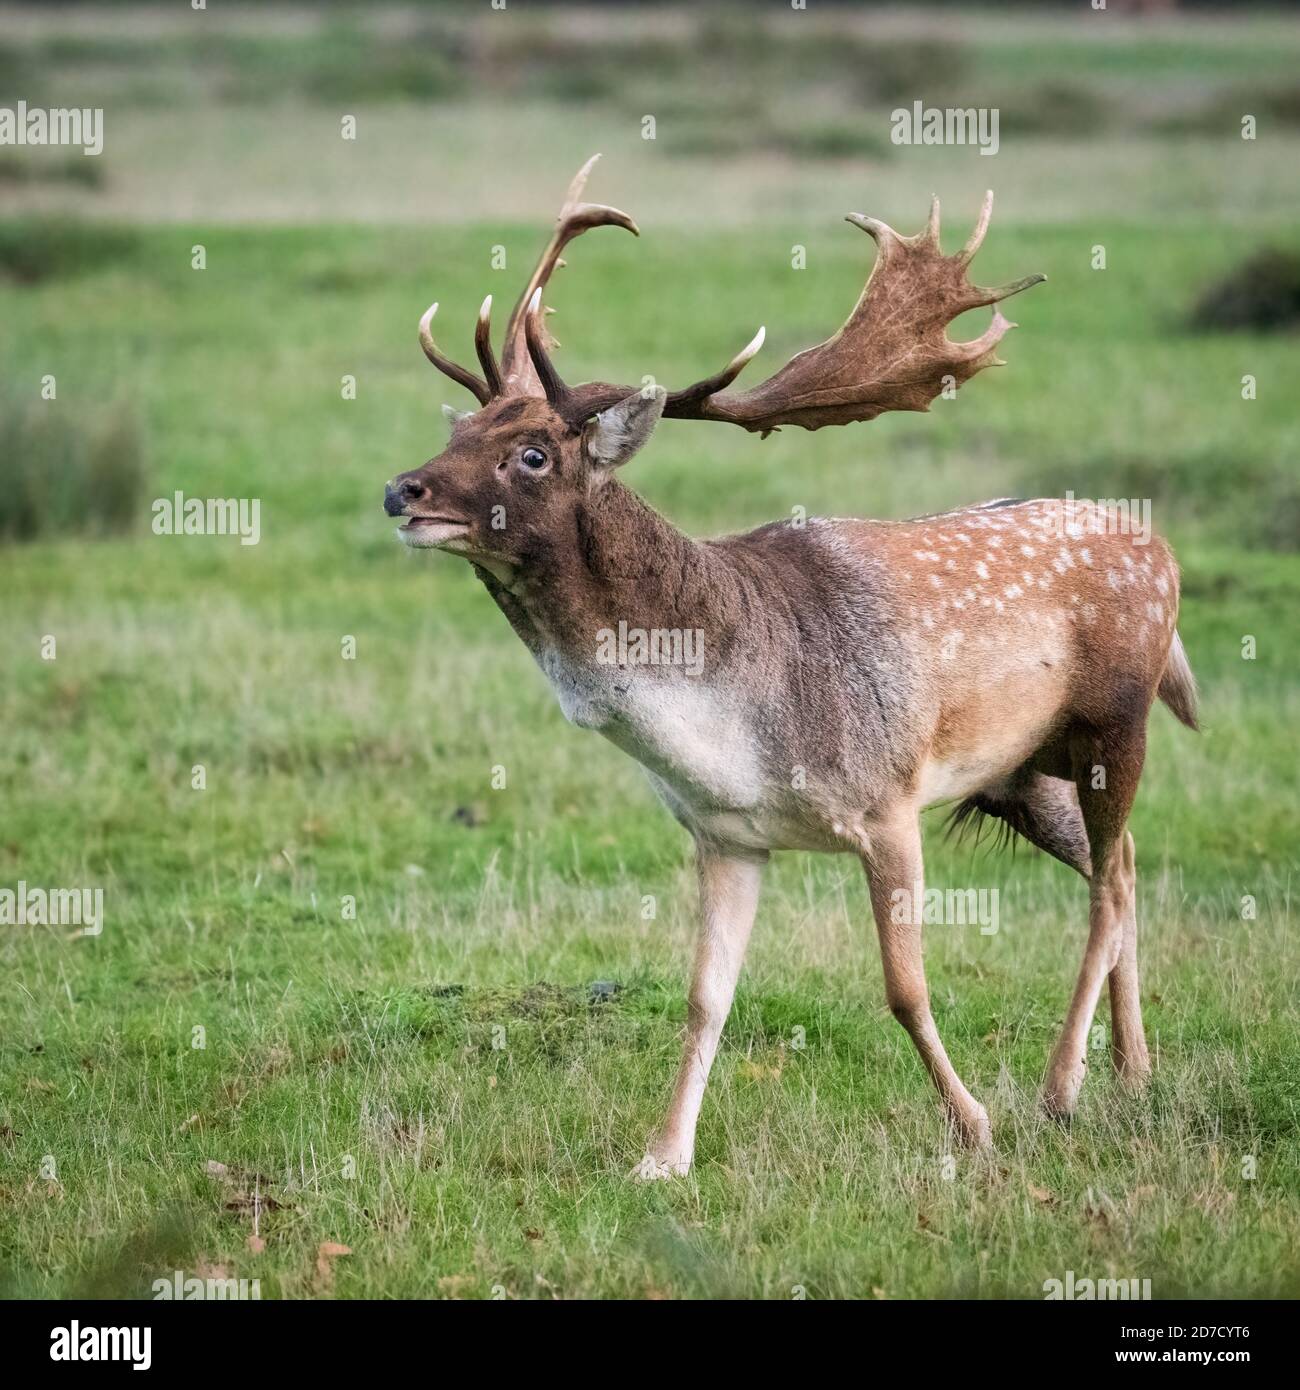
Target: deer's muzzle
401	493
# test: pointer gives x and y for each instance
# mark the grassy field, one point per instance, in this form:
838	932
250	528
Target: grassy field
446	1083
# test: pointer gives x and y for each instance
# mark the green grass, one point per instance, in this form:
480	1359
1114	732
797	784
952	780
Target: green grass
433	1082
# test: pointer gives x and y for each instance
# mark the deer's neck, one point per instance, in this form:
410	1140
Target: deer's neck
620	562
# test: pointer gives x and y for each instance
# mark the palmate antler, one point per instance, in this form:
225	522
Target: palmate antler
894	352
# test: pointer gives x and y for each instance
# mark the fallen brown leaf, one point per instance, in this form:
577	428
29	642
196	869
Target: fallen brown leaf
326	1253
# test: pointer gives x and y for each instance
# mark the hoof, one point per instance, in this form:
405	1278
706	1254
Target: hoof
973	1130
655	1169
1062	1119
1133	1072
1061	1090
1060	1101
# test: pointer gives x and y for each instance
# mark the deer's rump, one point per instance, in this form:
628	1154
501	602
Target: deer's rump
1022	619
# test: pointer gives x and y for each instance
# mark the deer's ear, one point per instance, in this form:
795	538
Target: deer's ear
613	436
454	416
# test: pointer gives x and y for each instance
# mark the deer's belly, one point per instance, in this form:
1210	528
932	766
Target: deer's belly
766	826
692	737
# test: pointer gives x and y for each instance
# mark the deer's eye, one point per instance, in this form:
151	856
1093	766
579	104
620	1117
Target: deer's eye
533	459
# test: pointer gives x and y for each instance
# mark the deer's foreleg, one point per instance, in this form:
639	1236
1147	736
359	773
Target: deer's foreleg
728	900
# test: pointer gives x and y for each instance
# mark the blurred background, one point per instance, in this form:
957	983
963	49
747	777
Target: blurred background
1172	246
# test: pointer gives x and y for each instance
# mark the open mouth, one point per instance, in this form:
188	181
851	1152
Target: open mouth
424	531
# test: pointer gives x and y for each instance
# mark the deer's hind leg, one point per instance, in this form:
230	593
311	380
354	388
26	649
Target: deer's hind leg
1107	765
1045	810
892	859
1128	1044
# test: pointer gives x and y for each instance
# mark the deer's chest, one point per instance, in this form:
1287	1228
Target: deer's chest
693	736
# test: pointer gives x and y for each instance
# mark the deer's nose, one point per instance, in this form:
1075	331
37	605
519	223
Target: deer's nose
399	495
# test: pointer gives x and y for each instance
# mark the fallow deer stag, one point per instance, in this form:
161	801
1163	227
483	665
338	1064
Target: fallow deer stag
852	672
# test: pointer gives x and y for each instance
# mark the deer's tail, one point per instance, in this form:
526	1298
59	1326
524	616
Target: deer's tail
1177	686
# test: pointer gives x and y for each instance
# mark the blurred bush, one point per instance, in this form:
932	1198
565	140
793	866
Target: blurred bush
1261	294
25	167
64	474
901	69
1055	108
32	250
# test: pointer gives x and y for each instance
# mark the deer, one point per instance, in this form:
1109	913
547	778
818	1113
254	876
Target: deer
999	658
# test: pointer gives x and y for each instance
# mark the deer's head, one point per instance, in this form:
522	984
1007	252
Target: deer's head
515	474
516	470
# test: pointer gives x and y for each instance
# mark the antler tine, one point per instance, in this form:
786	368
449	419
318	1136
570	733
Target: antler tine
556	391
445	365
986	342
880	232
575	218
932	227
580	403
967	252
483	346
999	292
693	395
